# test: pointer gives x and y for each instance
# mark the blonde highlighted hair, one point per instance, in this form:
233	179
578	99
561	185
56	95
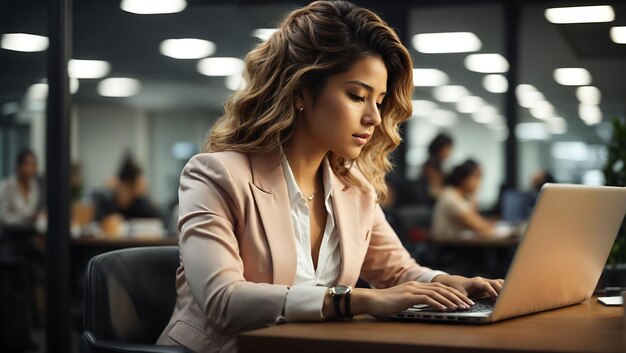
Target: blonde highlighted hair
312	43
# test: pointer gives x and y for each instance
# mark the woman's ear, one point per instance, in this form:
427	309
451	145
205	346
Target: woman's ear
299	101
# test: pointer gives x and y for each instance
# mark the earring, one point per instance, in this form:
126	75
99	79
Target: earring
301	108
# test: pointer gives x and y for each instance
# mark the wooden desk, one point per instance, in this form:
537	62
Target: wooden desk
587	327
119	243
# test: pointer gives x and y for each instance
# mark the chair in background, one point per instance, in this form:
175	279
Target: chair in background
129	297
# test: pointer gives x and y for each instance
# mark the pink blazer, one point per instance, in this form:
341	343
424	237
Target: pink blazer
238	250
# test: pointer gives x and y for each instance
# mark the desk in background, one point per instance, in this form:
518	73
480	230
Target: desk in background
587	327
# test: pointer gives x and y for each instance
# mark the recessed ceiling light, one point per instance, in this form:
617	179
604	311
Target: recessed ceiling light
450	93
572	76
588	95
119	87
220	66
580	14
590	114
469	104
618	34
528	95
88	68
24	42
532	131
150	7
447	42
234	82
422	108
542	110
557	125
429	78
187	48
486	115
37	91
495	83
74	85
263	33
486	63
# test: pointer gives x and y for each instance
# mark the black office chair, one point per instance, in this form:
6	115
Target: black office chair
129	298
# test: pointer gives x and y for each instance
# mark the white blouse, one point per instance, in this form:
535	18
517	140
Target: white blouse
305	298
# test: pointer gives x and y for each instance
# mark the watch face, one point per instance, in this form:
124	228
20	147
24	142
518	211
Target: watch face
341	289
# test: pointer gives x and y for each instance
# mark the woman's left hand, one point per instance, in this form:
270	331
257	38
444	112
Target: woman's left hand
476	287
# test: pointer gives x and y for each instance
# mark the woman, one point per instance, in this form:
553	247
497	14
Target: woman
456	209
285	203
20	198
129	190
431	180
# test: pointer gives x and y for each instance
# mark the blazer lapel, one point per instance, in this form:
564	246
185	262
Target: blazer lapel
269	189
348	215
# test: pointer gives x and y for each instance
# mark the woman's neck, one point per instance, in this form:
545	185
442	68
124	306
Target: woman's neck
305	161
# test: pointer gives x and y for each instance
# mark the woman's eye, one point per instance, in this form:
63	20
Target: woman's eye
379	106
356	98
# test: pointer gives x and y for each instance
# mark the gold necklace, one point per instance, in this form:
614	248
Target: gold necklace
310	198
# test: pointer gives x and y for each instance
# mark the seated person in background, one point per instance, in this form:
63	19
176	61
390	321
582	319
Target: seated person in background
129	192
456	209
20	196
21	222
431	180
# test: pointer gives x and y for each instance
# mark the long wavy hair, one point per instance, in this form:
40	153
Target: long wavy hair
311	44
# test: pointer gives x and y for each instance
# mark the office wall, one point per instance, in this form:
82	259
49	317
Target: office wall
168	131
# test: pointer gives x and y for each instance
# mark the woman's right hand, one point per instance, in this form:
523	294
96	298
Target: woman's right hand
382	302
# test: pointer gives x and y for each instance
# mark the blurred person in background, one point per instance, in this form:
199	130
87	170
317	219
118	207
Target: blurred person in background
129	192
431	180
539	178
22	223
456	209
20	196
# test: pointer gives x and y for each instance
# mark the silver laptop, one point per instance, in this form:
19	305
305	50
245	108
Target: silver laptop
559	259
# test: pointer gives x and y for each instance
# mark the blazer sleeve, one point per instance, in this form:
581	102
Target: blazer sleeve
387	263
208	210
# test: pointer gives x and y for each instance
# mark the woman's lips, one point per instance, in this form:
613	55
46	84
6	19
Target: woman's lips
361	139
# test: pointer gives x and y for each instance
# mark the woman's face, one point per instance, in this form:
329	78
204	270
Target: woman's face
28	168
472	182
347	110
445	152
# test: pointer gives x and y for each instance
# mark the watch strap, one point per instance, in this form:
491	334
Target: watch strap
336	300
346	299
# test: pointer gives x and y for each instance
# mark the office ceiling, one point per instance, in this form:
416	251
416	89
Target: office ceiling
130	43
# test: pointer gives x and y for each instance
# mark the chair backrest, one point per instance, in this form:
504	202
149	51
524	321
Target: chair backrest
130	294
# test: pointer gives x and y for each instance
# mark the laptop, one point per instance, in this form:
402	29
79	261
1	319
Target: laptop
559	260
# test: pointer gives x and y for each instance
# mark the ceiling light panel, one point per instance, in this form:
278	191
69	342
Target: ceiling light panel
152	7
487	63
429	78
119	87
222	66
88	68
572	76
446	42
24	42
187	48
580	14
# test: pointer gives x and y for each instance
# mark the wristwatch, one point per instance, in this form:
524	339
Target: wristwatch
339	292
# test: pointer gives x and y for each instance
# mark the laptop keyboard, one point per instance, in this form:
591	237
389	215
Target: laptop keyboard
481	305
